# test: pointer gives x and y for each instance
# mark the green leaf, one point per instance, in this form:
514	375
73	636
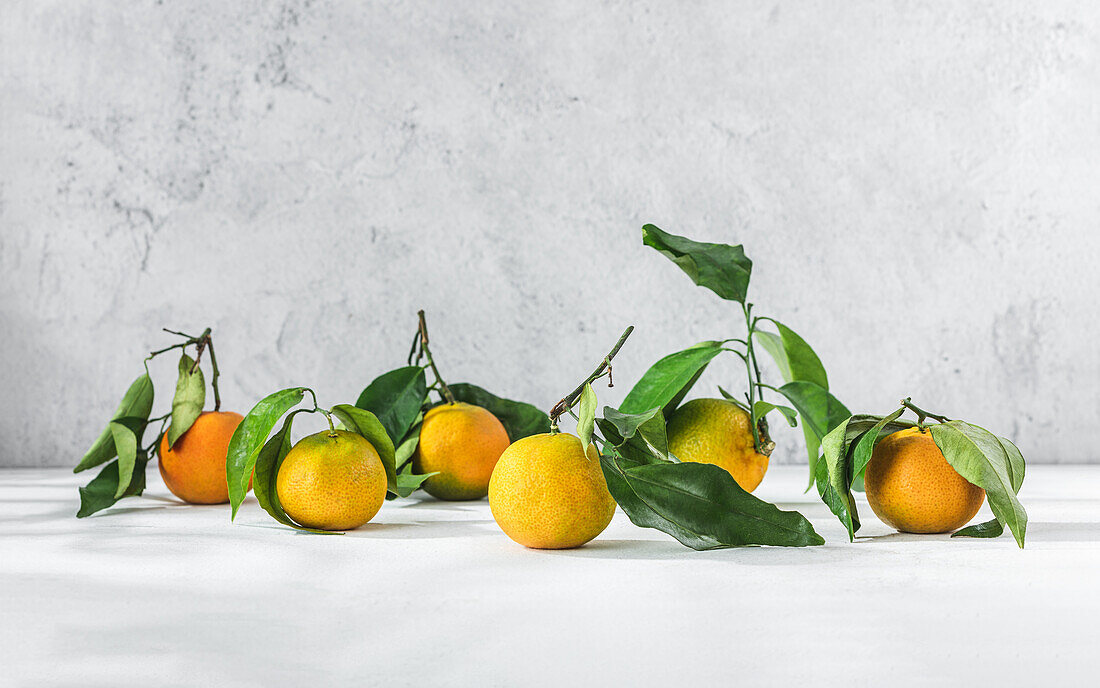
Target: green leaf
668	380
763	408
989	529
820	410
367	424
794	357
136	403
633	451
729	397
837	482
396	398
249	438
837	504
126	433
1016	466
702	506
409	482
100	492
980	457
268	462
518	418
586	415
649	427
773	344
865	446
403	453
722	268
189	399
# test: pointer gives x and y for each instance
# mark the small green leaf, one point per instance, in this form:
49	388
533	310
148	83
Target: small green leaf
980	457
702	506
633	451
367	424
773	344
136	403
396	398
649	427
189	399
989	529
729	397
763	408
722	268
403	452
518	418
126	433
409	482
586	415
668	380
249	438
101	492
865	447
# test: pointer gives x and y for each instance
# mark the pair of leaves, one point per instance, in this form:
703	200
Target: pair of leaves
122	438
992	463
807	387
847	450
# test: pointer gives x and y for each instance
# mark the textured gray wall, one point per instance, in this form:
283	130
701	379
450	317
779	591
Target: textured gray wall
916	183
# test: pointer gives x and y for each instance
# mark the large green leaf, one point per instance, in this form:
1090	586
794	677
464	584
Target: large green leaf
136	403
702	506
396	398
981	457
668	380
367	424
519	419
648	427
101	492
722	268
249	438
188	400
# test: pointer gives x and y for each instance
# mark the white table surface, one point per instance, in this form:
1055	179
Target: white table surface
154	592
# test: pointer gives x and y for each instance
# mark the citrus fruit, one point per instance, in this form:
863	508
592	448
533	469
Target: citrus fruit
462	442
911	487
717	431
333	480
547	492
194	467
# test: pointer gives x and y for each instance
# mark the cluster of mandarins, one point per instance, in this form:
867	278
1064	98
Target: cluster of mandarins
545	491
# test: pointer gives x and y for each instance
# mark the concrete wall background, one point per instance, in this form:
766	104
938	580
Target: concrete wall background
916	183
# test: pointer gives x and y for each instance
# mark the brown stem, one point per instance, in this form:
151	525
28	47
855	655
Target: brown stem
567	403
431	362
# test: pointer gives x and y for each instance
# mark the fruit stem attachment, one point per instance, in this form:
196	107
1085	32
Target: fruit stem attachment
605	365
907	402
328	417
427	353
